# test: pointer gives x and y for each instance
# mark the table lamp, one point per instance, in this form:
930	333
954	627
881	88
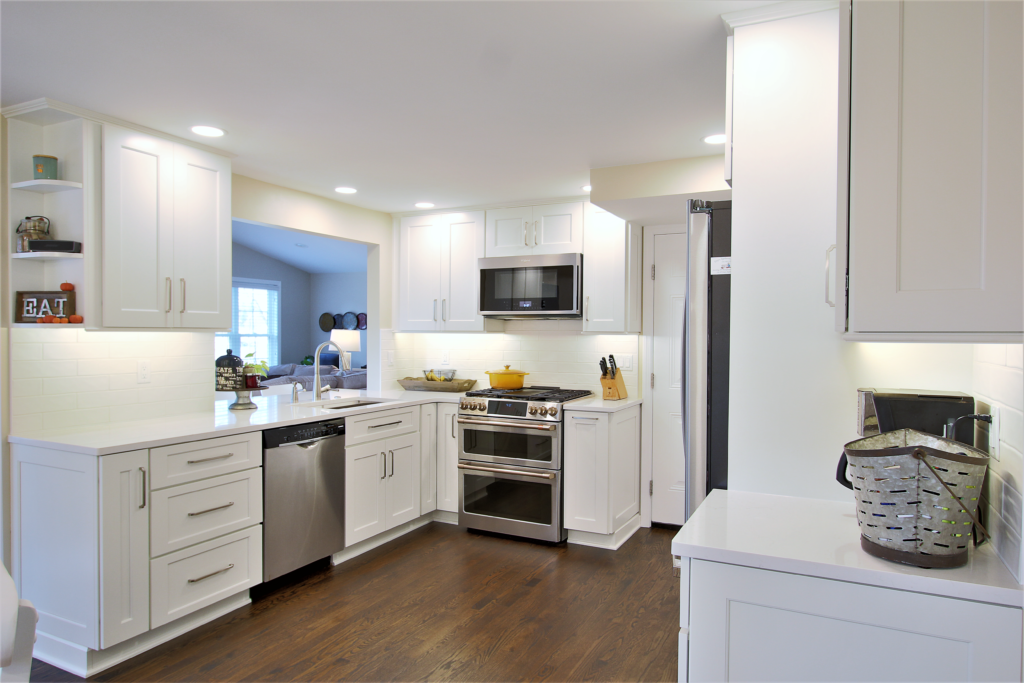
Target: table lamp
347	341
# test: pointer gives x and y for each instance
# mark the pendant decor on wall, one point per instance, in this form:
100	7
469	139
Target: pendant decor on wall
361	321
326	322
348	321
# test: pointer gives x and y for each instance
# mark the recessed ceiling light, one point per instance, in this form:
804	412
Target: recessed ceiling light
301	246
208	131
585	188
345	190
424	205
716	139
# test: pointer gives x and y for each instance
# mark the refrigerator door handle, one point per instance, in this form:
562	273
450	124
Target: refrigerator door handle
685	393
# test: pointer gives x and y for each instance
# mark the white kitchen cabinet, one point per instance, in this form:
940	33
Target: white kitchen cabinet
428	458
601	460
124	546
524	230
438	279
382	486
447	457
612	265
935	171
166	234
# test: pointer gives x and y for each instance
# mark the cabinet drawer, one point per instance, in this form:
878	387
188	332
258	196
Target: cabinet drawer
381	425
185	462
191	579
190	513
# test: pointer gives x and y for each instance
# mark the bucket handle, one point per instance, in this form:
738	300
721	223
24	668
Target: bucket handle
919	455
841	472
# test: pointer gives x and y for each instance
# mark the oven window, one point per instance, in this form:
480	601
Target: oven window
524	501
535	447
547	288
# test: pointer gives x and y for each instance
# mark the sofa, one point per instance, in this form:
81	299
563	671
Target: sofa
330	376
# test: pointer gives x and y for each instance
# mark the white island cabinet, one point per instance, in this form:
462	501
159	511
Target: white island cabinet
778	588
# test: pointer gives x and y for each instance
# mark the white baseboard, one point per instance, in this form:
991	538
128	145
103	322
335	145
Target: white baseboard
609	541
446	517
380	539
84	662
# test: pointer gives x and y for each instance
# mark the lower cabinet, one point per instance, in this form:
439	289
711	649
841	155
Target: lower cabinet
601	460
382	486
447	457
428	458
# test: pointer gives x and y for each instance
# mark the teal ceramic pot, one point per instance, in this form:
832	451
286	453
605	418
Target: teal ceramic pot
44	167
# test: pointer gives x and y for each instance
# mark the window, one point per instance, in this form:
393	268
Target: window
255	321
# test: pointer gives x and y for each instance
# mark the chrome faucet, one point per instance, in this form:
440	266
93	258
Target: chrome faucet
317	389
296	388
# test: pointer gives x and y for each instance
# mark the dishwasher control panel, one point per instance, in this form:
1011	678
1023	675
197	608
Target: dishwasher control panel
272	438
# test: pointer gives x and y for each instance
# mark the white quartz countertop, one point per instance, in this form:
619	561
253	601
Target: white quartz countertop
274	411
821	538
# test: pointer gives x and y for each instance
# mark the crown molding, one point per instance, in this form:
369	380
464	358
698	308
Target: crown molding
490	207
27	109
781	10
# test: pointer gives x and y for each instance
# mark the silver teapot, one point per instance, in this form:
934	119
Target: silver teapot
32	228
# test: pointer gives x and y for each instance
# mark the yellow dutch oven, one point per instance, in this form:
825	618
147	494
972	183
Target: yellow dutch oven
506	379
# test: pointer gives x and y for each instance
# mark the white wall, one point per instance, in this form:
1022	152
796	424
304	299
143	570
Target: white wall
336	293
793	379
295	297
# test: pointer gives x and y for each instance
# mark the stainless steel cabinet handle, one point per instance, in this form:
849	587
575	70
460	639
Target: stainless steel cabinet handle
182	295
143	470
216	457
482	423
392	454
383	465
167	288
536	475
219	571
585	418
435	310
386	424
444	308
586	309
828	274
453	427
535	224
525	243
203	512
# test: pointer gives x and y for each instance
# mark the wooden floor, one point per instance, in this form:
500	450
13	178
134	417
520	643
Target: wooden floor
443	604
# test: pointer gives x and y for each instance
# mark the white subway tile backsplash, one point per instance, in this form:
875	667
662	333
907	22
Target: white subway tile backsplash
26	387
1011	508
1015	355
1008	387
990	353
1011	428
74	350
41	404
39	368
20	352
21	424
76	418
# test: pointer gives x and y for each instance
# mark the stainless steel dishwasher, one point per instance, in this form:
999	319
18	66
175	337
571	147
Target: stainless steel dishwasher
303	495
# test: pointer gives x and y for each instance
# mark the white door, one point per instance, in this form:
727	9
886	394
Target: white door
463	244
509	232
664	303
403	479
428	458
138	220
558	229
365	507
124	546
447	457
420	277
202	239
604	272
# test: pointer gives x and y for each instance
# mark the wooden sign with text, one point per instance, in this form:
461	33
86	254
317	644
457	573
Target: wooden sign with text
29	306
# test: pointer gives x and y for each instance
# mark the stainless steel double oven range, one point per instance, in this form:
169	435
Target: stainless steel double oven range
510	461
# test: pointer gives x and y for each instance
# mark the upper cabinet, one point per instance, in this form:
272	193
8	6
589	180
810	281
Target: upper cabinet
166	234
935	153
612	261
439	281
524	230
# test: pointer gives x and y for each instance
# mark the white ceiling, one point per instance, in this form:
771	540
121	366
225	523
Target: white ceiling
457	103
319	255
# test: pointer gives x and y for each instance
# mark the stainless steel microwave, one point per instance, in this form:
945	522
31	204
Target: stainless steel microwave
531	286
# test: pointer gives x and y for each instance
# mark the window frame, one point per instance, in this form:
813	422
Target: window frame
232	334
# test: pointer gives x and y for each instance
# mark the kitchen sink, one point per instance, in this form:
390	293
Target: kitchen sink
344	404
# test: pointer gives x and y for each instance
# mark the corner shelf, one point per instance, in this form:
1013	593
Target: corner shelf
46	186
46	255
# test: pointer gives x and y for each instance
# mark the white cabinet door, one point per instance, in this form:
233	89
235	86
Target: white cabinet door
420	276
428	458
447	457
463	245
365	491
403	479
509	232
558	228
202	239
585	461
935	218
124	546
138	223
624	466
604	272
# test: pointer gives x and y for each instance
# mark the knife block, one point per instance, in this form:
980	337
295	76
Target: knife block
614	389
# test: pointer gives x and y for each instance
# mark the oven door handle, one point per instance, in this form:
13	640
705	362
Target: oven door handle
518	425
496	470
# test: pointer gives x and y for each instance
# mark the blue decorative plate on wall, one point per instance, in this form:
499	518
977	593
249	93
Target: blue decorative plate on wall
349	321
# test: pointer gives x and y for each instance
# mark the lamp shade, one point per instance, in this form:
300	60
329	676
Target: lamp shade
347	340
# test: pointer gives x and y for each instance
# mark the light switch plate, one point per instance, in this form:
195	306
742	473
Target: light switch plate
446	358
993	432
624	361
142	372
391	357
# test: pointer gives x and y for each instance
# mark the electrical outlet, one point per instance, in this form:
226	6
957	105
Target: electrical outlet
391	357
446	358
142	372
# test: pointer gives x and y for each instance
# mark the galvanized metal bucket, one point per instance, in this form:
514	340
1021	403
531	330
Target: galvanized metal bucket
917	496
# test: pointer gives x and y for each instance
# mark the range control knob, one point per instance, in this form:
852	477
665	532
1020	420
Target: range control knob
532	410
553	411
543	411
481	406
462	405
